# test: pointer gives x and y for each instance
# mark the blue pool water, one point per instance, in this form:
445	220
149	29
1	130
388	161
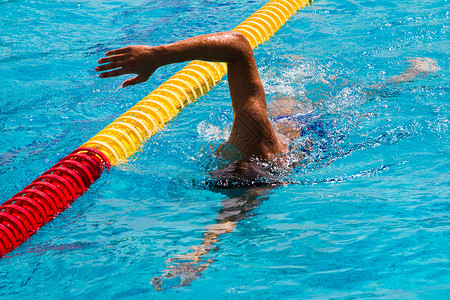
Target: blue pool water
368	217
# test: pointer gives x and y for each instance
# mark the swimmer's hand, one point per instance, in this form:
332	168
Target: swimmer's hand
139	60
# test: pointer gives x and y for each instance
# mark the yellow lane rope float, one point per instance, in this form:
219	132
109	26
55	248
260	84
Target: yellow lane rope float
122	138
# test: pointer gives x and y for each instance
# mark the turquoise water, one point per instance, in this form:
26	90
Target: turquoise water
368	217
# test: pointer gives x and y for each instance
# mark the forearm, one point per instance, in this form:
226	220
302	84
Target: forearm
230	47
217	47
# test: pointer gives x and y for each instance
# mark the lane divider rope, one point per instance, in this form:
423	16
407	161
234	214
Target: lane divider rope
56	189
48	195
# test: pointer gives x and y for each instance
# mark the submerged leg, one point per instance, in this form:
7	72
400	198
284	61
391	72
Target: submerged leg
418	67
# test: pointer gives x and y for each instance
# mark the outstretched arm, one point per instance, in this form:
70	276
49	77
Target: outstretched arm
229	47
252	132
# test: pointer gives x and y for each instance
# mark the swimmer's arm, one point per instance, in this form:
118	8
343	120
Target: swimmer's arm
230	47
252	132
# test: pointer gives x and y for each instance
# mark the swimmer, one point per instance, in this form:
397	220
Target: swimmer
252	137
252	134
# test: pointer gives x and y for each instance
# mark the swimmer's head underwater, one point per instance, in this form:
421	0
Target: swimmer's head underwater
241	173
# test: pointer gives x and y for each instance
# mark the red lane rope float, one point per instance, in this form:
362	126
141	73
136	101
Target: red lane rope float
18	228
8	237
34	207
22	213
42	198
2	247
62	183
55	191
48	195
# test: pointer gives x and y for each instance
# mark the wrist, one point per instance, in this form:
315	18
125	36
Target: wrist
160	55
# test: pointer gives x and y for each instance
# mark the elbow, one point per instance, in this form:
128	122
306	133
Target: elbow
239	37
239	45
240	40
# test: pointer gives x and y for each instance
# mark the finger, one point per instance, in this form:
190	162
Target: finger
113	73
108	59
117	51
134	80
110	66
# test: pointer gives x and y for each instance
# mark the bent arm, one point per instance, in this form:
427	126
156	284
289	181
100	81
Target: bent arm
230	47
252	132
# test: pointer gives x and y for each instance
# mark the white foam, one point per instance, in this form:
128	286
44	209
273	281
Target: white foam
212	133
